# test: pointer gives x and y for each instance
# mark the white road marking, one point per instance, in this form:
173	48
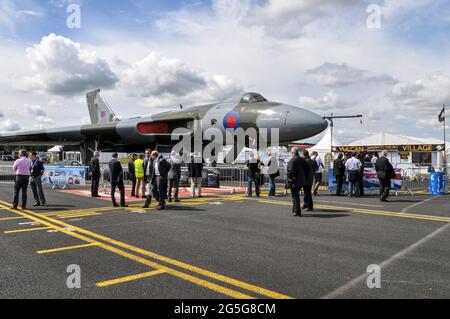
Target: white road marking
341	290
406	209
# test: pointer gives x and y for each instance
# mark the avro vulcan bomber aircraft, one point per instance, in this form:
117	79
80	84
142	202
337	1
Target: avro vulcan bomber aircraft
107	132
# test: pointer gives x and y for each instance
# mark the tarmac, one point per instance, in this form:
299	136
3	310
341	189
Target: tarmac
226	246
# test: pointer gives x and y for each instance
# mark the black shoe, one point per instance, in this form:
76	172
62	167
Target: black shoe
97	196
23	207
296	215
124	205
145	206
37	205
161	208
177	201
14	208
170	200
115	205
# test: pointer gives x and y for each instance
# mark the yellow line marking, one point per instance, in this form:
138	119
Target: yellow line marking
371	212
49	251
203	283
11	218
130	278
26	230
75	216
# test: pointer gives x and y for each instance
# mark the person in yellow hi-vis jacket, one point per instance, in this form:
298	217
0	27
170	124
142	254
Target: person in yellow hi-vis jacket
139	171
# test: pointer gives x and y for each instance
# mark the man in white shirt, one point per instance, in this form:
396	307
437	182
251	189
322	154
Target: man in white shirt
318	174
353	166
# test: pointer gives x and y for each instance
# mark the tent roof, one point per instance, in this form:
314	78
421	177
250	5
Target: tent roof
325	142
383	138
55	149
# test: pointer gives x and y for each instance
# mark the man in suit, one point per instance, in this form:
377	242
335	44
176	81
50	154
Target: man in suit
308	203
158	179
274	172
37	170
339	173
116	175
132	172
95	173
253	165
296	172
385	173
195	170
174	176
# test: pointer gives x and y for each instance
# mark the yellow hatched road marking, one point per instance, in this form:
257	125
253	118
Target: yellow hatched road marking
26	230
371	212
82	215
130	278
10	218
203	283
49	251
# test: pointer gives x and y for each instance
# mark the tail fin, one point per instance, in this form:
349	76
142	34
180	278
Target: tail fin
99	110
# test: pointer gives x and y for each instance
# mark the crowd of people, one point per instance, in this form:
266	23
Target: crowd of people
153	177
305	173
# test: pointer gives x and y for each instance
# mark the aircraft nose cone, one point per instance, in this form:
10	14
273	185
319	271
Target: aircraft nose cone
302	124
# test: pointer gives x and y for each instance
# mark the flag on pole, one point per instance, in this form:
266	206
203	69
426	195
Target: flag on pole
442	115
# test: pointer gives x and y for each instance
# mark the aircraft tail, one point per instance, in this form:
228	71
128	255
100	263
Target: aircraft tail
99	110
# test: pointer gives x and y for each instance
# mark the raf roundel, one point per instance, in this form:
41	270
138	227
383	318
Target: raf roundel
232	120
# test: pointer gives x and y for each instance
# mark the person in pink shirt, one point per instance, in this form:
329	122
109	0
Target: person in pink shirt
22	167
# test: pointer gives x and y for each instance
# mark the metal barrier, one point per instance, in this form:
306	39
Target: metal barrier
7	174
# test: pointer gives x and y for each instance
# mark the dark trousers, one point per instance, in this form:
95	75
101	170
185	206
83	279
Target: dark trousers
161	182
159	191
272	185
251	180
295	192
133	185
340	183
317	182
353	180
121	187
361	183
174	184
38	191
95	184
21	184
385	187
307	197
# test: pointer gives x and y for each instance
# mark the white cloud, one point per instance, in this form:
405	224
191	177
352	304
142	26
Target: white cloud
11	16
288	18
337	75
34	110
62	67
9	126
163	81
329	101
424	96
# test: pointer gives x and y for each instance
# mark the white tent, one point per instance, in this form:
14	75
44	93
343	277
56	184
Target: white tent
56	149
383	138
323	147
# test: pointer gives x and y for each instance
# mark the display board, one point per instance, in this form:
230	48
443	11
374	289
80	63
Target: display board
371	181
66	176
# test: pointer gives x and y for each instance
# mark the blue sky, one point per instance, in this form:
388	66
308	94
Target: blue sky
149	56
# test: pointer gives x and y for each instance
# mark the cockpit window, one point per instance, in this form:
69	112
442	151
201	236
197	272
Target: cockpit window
253	98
